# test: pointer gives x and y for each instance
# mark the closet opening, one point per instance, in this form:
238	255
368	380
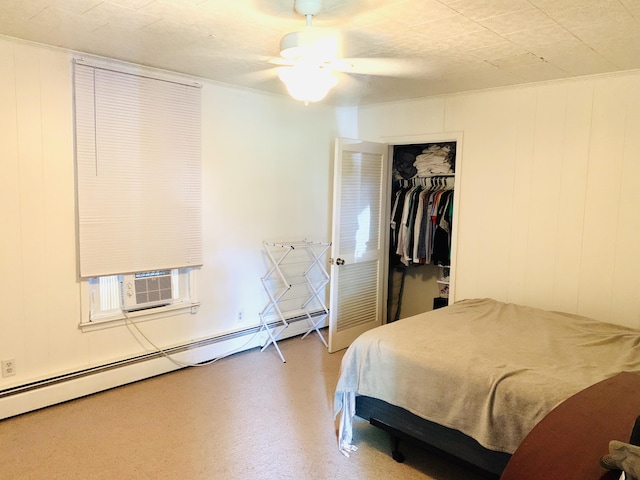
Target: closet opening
421	227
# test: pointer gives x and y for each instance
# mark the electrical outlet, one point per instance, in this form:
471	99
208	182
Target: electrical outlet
240	316
8	367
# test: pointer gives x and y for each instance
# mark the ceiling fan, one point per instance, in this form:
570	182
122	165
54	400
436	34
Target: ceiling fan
312	58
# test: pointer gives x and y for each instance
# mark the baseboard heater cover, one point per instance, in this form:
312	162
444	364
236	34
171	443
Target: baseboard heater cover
50	381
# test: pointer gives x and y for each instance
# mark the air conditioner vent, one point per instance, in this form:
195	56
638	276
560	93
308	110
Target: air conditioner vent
147	289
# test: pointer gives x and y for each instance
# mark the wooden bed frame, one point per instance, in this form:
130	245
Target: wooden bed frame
453	444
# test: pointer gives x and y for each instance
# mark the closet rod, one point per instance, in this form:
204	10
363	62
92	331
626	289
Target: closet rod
436	181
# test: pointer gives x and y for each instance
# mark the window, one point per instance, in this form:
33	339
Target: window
104	297
138	174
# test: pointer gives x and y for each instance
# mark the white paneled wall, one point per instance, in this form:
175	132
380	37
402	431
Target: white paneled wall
266	175
37	203
550	190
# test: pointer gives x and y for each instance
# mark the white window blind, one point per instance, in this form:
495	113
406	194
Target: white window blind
138	172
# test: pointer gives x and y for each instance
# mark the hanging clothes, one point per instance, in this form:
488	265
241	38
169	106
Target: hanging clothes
405	233
441	251
421	221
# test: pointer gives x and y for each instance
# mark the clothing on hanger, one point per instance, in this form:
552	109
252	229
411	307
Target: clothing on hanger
421	221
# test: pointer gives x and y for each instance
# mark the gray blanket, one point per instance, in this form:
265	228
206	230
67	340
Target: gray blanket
491	370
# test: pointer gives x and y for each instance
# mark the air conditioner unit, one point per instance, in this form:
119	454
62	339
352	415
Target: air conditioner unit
146	290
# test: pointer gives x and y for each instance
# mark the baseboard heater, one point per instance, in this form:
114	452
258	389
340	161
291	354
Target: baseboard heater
144	357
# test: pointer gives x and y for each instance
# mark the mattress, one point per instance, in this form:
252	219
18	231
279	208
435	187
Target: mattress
488	369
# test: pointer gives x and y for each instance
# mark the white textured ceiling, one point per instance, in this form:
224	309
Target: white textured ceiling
438	46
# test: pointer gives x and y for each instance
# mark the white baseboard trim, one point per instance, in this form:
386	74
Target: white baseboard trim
27	398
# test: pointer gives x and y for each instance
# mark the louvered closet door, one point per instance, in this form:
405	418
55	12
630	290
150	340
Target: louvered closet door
357	299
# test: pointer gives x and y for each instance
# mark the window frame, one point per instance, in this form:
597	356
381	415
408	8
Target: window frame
94	318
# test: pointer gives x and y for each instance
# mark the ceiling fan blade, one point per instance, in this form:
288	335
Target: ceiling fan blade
390	67
280	62
257	76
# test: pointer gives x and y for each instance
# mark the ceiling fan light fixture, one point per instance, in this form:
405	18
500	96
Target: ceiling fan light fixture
311	44
308	83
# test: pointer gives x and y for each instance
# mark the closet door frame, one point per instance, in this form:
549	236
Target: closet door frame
437	138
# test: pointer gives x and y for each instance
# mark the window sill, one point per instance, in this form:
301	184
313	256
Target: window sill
120	319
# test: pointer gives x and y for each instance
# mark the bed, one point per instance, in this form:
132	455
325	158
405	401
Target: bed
472	379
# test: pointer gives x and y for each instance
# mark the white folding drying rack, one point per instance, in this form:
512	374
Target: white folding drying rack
295	284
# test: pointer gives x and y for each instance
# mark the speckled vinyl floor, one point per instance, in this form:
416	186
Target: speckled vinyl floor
248	416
